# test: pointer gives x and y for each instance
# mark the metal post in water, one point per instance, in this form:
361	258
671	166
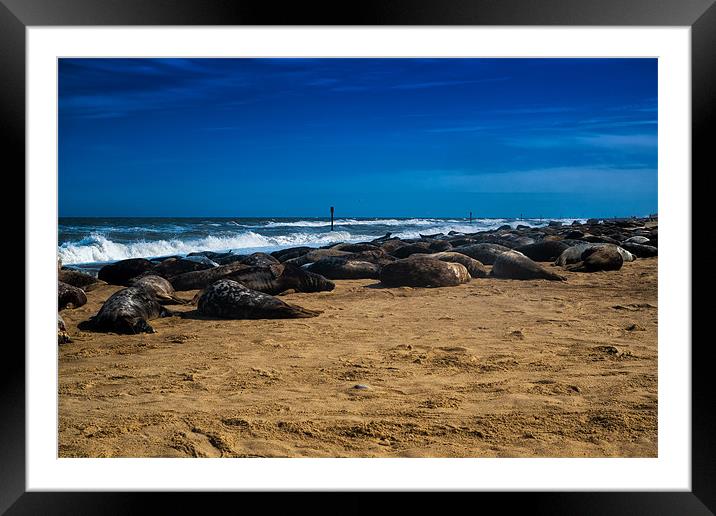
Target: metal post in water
331	218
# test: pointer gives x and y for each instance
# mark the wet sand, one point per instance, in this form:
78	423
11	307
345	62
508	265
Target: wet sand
492	368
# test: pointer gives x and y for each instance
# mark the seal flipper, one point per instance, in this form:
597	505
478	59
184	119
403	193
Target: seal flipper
88	325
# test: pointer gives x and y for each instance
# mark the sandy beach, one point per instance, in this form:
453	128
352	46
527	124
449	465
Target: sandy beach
491	368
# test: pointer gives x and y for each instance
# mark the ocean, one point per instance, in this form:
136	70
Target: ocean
91	242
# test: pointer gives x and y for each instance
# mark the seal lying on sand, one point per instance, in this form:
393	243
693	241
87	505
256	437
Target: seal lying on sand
279	277
229	299
121	272
485	253
544	251
79	279
174	266
127	311
423	272
604	258
315	255
159	287
292	252
474	267
574	254
69	296
344	268
202	279
641	250
515	265
259	260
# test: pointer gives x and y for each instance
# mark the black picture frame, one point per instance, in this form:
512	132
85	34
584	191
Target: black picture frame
700	15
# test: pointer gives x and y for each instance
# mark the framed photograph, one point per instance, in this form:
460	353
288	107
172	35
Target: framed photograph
411	249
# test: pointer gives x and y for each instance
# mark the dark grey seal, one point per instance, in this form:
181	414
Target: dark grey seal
127	311
160	288
574	254
515	265
121	272
410	249
279	277
485	253
423	272
355	248
174	266
293	252
201	279
229	299
544	251
603	258
315	255
79	279
641	250
334	268
69	296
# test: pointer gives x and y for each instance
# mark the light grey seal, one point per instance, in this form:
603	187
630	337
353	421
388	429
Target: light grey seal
229	299
160	288
127	311
515	265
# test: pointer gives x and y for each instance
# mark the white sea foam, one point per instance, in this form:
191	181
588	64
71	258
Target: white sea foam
354	222
98	248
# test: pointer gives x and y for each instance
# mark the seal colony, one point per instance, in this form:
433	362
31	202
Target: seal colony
244	286
488	367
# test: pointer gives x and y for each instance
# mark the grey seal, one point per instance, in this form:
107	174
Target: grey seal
485	252
544	251
474	267
200	279
174	266
423	272
79	279
127	311
121	272
574	254
159	287
279	277
69	296
515	265
333	268
603	258
229	299
641	250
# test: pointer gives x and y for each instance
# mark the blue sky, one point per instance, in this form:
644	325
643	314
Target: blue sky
372	137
